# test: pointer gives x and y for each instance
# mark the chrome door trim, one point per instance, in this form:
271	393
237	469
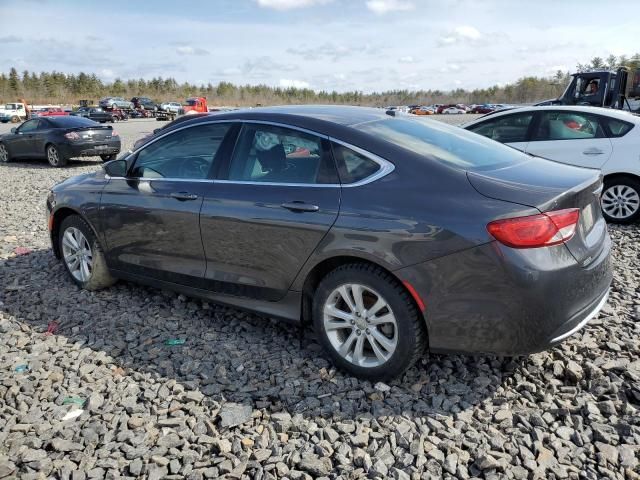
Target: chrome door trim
386	167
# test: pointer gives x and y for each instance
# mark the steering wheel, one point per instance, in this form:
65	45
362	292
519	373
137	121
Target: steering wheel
194	167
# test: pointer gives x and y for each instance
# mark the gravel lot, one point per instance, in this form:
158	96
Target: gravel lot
248	397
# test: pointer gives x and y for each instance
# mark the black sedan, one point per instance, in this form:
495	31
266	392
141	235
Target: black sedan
58	139
96	114
388	233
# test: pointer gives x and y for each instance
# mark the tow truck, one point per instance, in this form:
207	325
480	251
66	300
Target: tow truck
602	88
192	105
14	112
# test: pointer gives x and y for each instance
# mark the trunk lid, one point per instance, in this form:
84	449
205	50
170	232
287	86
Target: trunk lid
548	186
94	133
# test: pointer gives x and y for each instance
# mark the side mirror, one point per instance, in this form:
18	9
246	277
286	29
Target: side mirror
14	130
116	168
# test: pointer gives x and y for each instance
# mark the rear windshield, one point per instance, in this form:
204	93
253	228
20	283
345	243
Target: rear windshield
71	122
447	143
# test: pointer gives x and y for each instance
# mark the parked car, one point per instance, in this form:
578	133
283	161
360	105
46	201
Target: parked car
115	102
144	103
487	108
422	235
593	137
422	111
94	113
49	112
170	107
58	139
454	110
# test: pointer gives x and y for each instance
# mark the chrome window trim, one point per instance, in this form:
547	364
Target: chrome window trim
386	167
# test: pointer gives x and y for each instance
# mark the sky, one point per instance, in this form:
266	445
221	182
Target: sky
364	45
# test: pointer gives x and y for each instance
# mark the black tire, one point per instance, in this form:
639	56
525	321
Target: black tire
100	277
15	119
108	158
411	330
54	156
5	157
620	187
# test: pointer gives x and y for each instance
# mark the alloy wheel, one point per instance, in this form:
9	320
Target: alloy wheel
620	201
4	154
77	254
52	155
360	325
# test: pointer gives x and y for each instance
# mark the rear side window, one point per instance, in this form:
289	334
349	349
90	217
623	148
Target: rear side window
447	144
353	166
618	128
505	129
568	126
266	153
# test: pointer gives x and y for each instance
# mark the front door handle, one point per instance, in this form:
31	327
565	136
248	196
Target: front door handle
183	196
300	207
593	151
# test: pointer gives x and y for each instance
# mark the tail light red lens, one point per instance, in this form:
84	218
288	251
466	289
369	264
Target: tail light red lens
72	136
542	230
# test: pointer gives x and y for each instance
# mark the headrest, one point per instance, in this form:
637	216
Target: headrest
274	159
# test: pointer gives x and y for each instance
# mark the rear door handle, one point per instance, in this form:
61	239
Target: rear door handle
593	151
300	207
183	196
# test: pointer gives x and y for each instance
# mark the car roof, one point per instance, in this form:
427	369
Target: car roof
337	114
609	112
68	121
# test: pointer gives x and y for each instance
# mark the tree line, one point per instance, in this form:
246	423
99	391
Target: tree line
57	87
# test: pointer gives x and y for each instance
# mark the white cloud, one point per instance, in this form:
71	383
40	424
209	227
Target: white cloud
406	59
451	67
290	4
461	34
288	83
380	7
189	50
332	51
107	74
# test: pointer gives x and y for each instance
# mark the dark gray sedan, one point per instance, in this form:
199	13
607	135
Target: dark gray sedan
390	234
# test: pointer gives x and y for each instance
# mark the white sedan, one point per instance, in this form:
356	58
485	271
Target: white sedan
592	137
454	110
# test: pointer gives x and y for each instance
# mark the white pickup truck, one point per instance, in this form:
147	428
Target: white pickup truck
13	112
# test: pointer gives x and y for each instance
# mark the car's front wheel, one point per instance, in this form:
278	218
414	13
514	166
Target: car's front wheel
55	157
620	200
367	322
108	158
82	255
4	154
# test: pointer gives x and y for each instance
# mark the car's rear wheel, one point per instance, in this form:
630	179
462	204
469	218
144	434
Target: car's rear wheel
55	157
4	154
82	255
367	322
620	200
15	119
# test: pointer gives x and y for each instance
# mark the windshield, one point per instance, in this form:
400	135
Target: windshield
447	143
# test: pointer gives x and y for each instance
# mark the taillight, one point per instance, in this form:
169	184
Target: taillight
72	136
542	230
114	133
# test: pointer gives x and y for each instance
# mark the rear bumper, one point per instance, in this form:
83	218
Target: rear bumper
492	299
111	147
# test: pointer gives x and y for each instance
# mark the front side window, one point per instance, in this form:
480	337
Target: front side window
618	128
266	153
29	126
185	154
568	126
505	129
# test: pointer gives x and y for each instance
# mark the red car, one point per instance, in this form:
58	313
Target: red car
50	112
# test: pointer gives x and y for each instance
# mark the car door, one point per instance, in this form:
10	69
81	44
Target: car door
23	143
572	137
276	199
151	217
512	129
